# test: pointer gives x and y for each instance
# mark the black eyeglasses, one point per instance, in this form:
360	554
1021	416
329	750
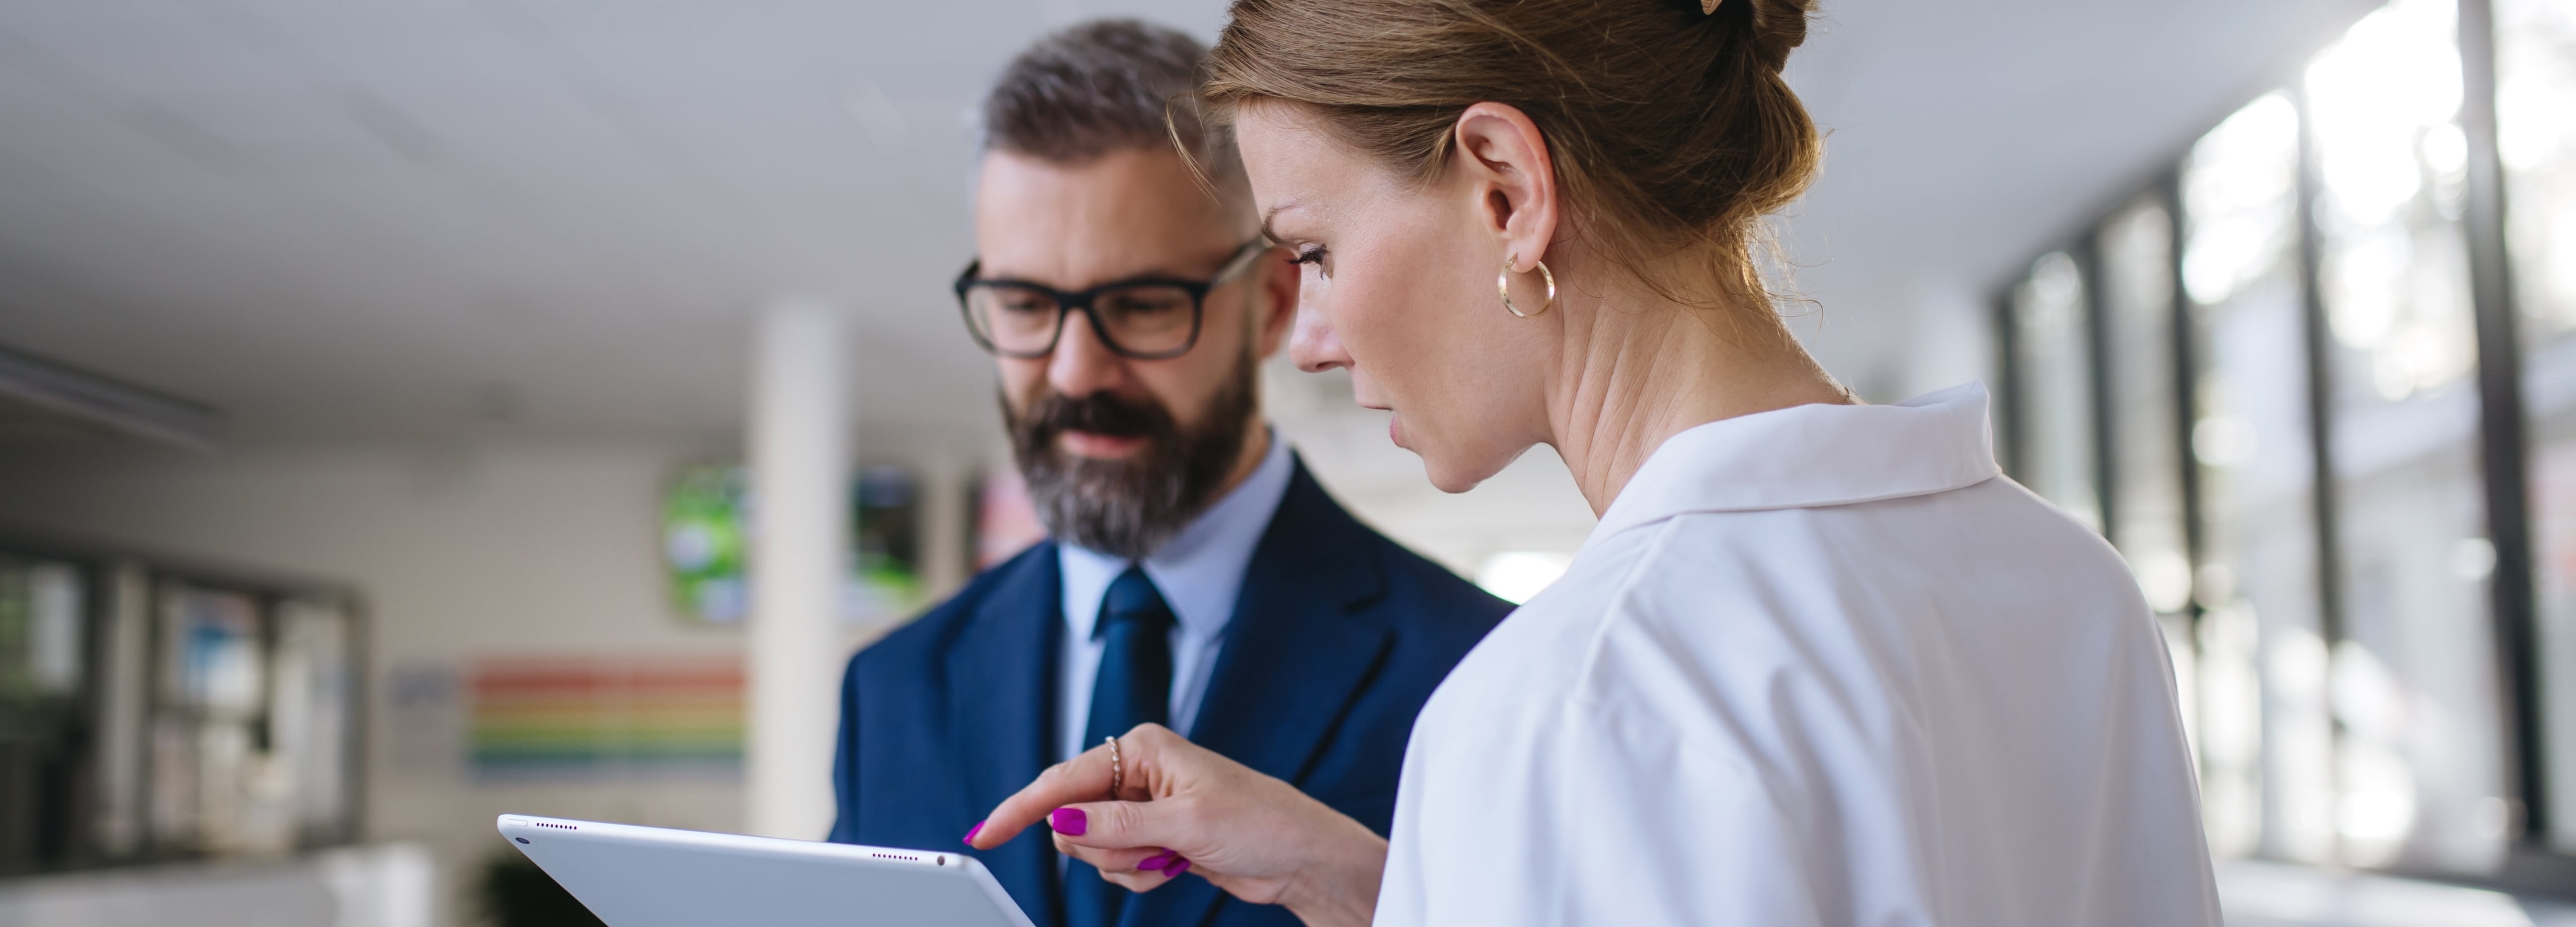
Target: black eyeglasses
1145	318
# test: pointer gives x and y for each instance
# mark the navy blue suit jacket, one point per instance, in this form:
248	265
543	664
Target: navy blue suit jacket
1338	637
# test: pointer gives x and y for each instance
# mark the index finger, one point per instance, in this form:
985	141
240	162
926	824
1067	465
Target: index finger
1083	778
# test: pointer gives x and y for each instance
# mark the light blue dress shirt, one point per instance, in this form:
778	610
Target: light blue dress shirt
1200	573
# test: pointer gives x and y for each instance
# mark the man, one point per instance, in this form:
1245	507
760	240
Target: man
1196	576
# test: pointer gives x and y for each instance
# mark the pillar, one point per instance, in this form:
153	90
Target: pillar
800	485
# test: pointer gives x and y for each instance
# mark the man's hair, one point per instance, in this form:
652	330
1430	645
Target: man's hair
1104	86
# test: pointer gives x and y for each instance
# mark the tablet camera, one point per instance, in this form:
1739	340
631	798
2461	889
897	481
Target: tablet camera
520	839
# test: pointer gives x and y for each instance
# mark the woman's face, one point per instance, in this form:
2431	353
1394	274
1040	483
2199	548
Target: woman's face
1399	287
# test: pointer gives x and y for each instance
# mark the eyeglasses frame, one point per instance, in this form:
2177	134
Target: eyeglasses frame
1066	303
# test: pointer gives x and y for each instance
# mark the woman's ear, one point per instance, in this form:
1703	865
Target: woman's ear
1505	166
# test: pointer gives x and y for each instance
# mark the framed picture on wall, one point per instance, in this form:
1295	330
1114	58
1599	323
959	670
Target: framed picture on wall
707	514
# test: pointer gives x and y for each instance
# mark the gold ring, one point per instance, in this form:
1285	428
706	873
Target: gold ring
1117	769
1503	285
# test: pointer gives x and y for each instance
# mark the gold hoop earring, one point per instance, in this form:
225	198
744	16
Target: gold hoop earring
1503	285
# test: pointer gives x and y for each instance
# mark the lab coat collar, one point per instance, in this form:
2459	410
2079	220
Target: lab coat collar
1812	456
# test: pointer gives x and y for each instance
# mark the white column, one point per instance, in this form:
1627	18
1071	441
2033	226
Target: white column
800	488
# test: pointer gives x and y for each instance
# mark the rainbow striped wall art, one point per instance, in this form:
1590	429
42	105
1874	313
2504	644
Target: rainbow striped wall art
607	717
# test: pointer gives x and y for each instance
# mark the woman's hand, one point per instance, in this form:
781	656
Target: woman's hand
1183	808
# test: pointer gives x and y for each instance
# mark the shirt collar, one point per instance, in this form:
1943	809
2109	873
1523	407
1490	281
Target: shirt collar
1200	570
1813	455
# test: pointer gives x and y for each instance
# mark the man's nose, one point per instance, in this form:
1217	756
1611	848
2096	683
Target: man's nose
1312	342
1082	363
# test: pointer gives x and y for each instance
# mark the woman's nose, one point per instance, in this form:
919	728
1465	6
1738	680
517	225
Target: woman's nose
1312	342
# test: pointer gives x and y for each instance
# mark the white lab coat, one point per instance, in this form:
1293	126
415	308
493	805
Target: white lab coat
1816	666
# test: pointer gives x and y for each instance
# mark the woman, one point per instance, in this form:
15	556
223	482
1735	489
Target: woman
1818	663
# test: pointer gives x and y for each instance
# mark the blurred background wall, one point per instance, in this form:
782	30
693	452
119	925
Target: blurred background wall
377	388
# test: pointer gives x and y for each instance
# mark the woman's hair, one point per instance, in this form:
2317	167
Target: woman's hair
1670	128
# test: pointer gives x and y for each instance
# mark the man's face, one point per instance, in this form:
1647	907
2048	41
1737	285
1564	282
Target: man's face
1119	452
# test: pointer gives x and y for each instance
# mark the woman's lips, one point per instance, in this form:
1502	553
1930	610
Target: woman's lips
1395	430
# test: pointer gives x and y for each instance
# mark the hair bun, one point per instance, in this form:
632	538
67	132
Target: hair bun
1772	28
1668	125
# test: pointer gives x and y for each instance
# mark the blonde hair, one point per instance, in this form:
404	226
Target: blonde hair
1671	129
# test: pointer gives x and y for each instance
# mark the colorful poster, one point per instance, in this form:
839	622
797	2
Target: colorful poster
607	717
703	546
706	545
885	547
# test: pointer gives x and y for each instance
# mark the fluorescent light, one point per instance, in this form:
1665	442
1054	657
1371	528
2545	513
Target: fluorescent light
116	405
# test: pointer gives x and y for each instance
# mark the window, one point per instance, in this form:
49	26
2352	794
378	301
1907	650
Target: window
250	734
2536	142
2146	512
2419	756
2320	495
43	618
2052	343
2263	382
2264	734
147	715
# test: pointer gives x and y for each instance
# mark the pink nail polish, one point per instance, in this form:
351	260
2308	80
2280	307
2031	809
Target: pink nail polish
972	831
1069	821
1156	861
1177	867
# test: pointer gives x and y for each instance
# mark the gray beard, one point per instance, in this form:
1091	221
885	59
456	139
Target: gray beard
1127	508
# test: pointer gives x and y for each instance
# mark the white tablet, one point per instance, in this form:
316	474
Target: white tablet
652	877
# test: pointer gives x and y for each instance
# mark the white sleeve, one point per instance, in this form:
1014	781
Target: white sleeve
1586	815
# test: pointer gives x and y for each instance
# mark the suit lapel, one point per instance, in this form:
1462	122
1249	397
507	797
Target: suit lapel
1295	655
1001	692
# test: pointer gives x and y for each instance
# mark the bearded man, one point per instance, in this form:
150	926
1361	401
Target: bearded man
1196	576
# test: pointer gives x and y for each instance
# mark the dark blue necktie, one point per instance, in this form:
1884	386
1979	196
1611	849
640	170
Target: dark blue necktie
1133	686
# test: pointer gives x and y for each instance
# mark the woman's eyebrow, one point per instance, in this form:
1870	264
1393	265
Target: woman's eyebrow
1270	234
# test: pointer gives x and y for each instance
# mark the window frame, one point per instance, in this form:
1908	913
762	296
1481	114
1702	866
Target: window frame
2531	865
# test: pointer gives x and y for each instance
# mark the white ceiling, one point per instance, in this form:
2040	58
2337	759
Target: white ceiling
407	220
